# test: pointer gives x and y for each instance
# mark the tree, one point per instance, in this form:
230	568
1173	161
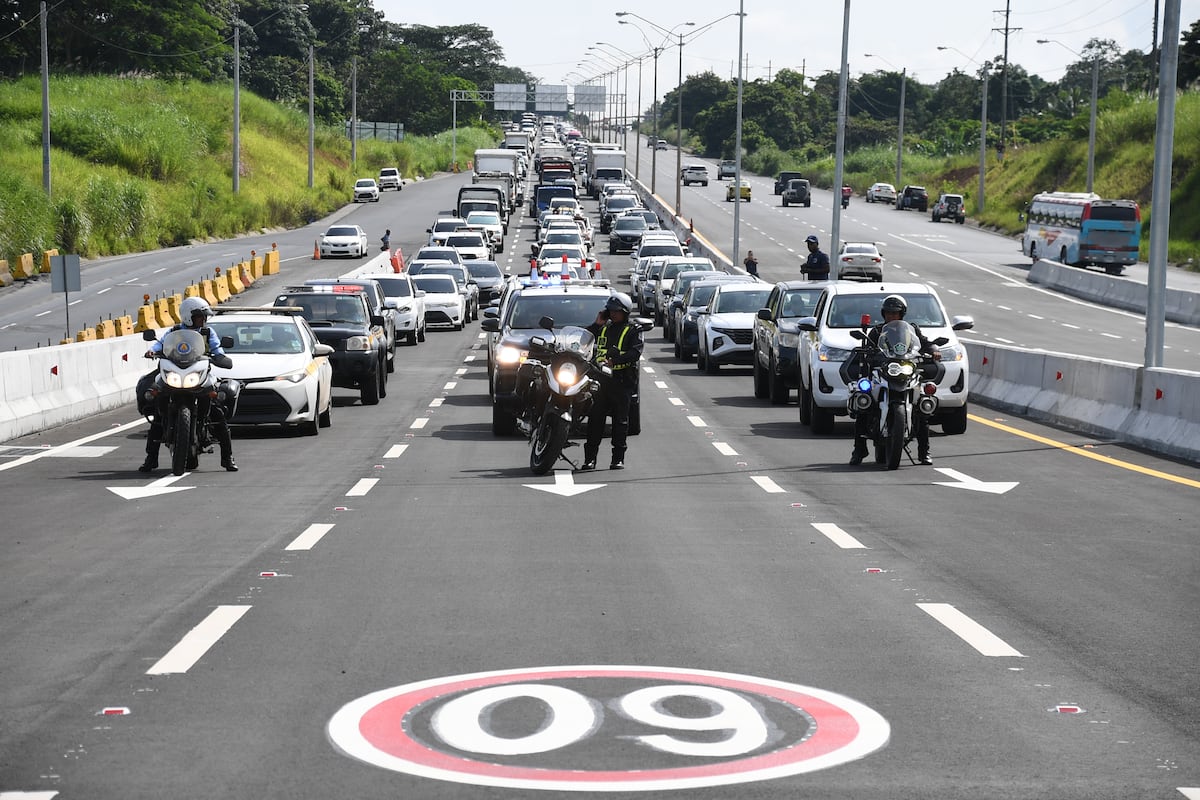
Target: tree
1189	57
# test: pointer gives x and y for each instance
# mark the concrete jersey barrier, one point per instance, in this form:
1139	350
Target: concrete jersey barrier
1128	293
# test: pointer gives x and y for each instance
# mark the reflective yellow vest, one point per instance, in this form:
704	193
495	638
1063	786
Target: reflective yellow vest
602	346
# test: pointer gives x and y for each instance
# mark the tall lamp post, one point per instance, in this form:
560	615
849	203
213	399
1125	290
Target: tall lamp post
737	137
900	127
655	51
982	123
1091	167
625	103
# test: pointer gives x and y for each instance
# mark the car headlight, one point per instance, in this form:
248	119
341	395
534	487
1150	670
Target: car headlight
174	380
507	354
293	377
953	353
358	343
826	353
789	339
567	374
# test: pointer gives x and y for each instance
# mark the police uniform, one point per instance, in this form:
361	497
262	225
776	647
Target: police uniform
817	266
863	423
621	342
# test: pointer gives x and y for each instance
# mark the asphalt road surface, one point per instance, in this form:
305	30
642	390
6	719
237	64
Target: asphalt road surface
398	608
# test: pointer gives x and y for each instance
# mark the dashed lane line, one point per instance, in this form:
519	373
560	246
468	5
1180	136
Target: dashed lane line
838	536
724	449
395	451
970	631
309	538
698	422
767	485
361	488
198	641
419	422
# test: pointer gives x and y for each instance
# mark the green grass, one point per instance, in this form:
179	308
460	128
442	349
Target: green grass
1124	169
140	163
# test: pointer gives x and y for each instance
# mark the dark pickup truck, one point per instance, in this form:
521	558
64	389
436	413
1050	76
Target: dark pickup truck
781	182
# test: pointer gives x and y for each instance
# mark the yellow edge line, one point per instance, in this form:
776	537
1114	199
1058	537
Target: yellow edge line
1077	451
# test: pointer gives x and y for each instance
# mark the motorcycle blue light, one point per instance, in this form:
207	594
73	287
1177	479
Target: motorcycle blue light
864	384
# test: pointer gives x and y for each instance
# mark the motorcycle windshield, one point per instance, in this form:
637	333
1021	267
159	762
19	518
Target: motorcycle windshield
577	340
898	339
183	347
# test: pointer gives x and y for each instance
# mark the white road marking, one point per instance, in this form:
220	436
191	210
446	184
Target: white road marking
462	371
102	291
469	359
699	423
44	313
970	631
160	269
675	401
481	336
1111	335
312	534
28	795
1004	308
435	402
838	536
767	485
395	451
660	384
1069	325
75	302
449	387
1034	316
724	449
419	422
95	451
1190	792
648	370
976	300
951	291
50	451
1005	341
361	488
192	647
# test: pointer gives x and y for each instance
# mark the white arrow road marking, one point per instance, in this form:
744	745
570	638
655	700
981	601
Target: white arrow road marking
1190	792
192	647
160	486
970	631
564	485
962	481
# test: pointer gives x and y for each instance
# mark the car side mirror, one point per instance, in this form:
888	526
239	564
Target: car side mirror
490	324
764	314
643	324
419	293
322	350
377	319
148	336
226	342
391	303
940	341
807	324
963	323
859	335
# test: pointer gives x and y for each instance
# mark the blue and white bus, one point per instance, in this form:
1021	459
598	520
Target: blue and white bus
1081	229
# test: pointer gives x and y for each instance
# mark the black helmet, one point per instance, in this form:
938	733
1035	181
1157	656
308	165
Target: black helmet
896	304
618	302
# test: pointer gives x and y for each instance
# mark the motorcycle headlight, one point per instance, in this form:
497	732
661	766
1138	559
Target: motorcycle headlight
174	380
508	355
192	380
358	343
826	353
897	368
567	374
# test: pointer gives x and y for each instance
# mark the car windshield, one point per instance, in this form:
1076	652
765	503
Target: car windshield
465	240
673	269
394	286
741	302
547	253
564	309
453	270
483	218
800	302
634	223
341	231
328	308
436	284
847	310
620	202
439	254
563	237
660	250
366	183
859	248
484	269
701	295
260	337
446	225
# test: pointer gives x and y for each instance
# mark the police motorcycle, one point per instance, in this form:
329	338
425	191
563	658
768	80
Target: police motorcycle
557	385
892	382
190	398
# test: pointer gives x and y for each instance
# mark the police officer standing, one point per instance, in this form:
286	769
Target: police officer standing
618	347
817	265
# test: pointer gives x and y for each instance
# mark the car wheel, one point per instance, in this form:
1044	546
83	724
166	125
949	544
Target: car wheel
421	333
777	389
1062	256
805	406
700	359
325	418
311	427
956	423
678	348
785	205
760	379
369	391
382	381
411	338
808	203
503	423
822	419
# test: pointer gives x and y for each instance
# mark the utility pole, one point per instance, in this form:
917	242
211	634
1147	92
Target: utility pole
45	108
1006	30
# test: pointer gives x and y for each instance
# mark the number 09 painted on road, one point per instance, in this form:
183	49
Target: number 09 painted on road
606	728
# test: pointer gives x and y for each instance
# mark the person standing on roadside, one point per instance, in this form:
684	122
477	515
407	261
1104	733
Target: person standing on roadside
751	263
817	265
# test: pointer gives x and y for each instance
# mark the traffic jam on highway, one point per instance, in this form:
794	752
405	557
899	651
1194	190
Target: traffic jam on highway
478	610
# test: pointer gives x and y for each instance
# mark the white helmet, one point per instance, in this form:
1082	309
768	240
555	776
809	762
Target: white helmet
191	305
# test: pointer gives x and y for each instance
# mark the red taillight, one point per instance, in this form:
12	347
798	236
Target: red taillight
877	260
1137	212
930	388
1087	211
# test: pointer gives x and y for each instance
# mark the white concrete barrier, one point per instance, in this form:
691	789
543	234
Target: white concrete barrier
1110	290
682	228
1158	409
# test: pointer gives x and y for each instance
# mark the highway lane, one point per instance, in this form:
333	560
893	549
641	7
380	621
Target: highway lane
690	558
976	272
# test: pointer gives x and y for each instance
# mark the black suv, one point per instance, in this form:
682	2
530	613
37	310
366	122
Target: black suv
379	304
914	197
777	338
782	181
797	192
339	316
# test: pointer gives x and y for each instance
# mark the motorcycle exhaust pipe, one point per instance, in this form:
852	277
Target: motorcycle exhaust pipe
861	402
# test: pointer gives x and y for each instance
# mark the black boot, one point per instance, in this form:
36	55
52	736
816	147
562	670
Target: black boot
618	459
923	456
860	450
151	462
589	460
227	461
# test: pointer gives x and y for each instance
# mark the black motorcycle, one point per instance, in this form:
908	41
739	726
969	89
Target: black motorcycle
892	382
188	399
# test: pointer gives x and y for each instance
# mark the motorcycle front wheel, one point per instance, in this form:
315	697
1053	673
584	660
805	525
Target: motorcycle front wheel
895	436
548	440
183	440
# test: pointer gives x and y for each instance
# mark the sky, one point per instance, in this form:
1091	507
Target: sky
549	40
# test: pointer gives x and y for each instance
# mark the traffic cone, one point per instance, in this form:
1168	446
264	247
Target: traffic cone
316	250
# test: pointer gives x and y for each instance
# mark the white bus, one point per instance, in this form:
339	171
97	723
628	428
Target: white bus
1081	229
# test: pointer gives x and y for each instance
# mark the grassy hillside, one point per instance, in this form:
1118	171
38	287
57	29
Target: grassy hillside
1124	169
143	163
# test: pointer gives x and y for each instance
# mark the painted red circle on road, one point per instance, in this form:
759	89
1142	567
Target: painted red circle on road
831	729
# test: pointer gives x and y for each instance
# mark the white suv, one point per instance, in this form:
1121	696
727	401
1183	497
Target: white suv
825	342
389	178
695	173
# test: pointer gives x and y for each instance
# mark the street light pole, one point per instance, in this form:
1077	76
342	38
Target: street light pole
1091	164
737	139
679	131
311	122
237	103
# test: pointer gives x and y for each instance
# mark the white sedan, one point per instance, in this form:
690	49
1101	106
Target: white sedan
726	325
859	261
444	303
285	372
366	190
881	193
343	240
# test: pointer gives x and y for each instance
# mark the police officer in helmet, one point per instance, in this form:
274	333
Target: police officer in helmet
894	308
618	347
194	313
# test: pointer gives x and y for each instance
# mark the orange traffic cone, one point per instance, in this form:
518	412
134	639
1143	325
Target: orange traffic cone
316	250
